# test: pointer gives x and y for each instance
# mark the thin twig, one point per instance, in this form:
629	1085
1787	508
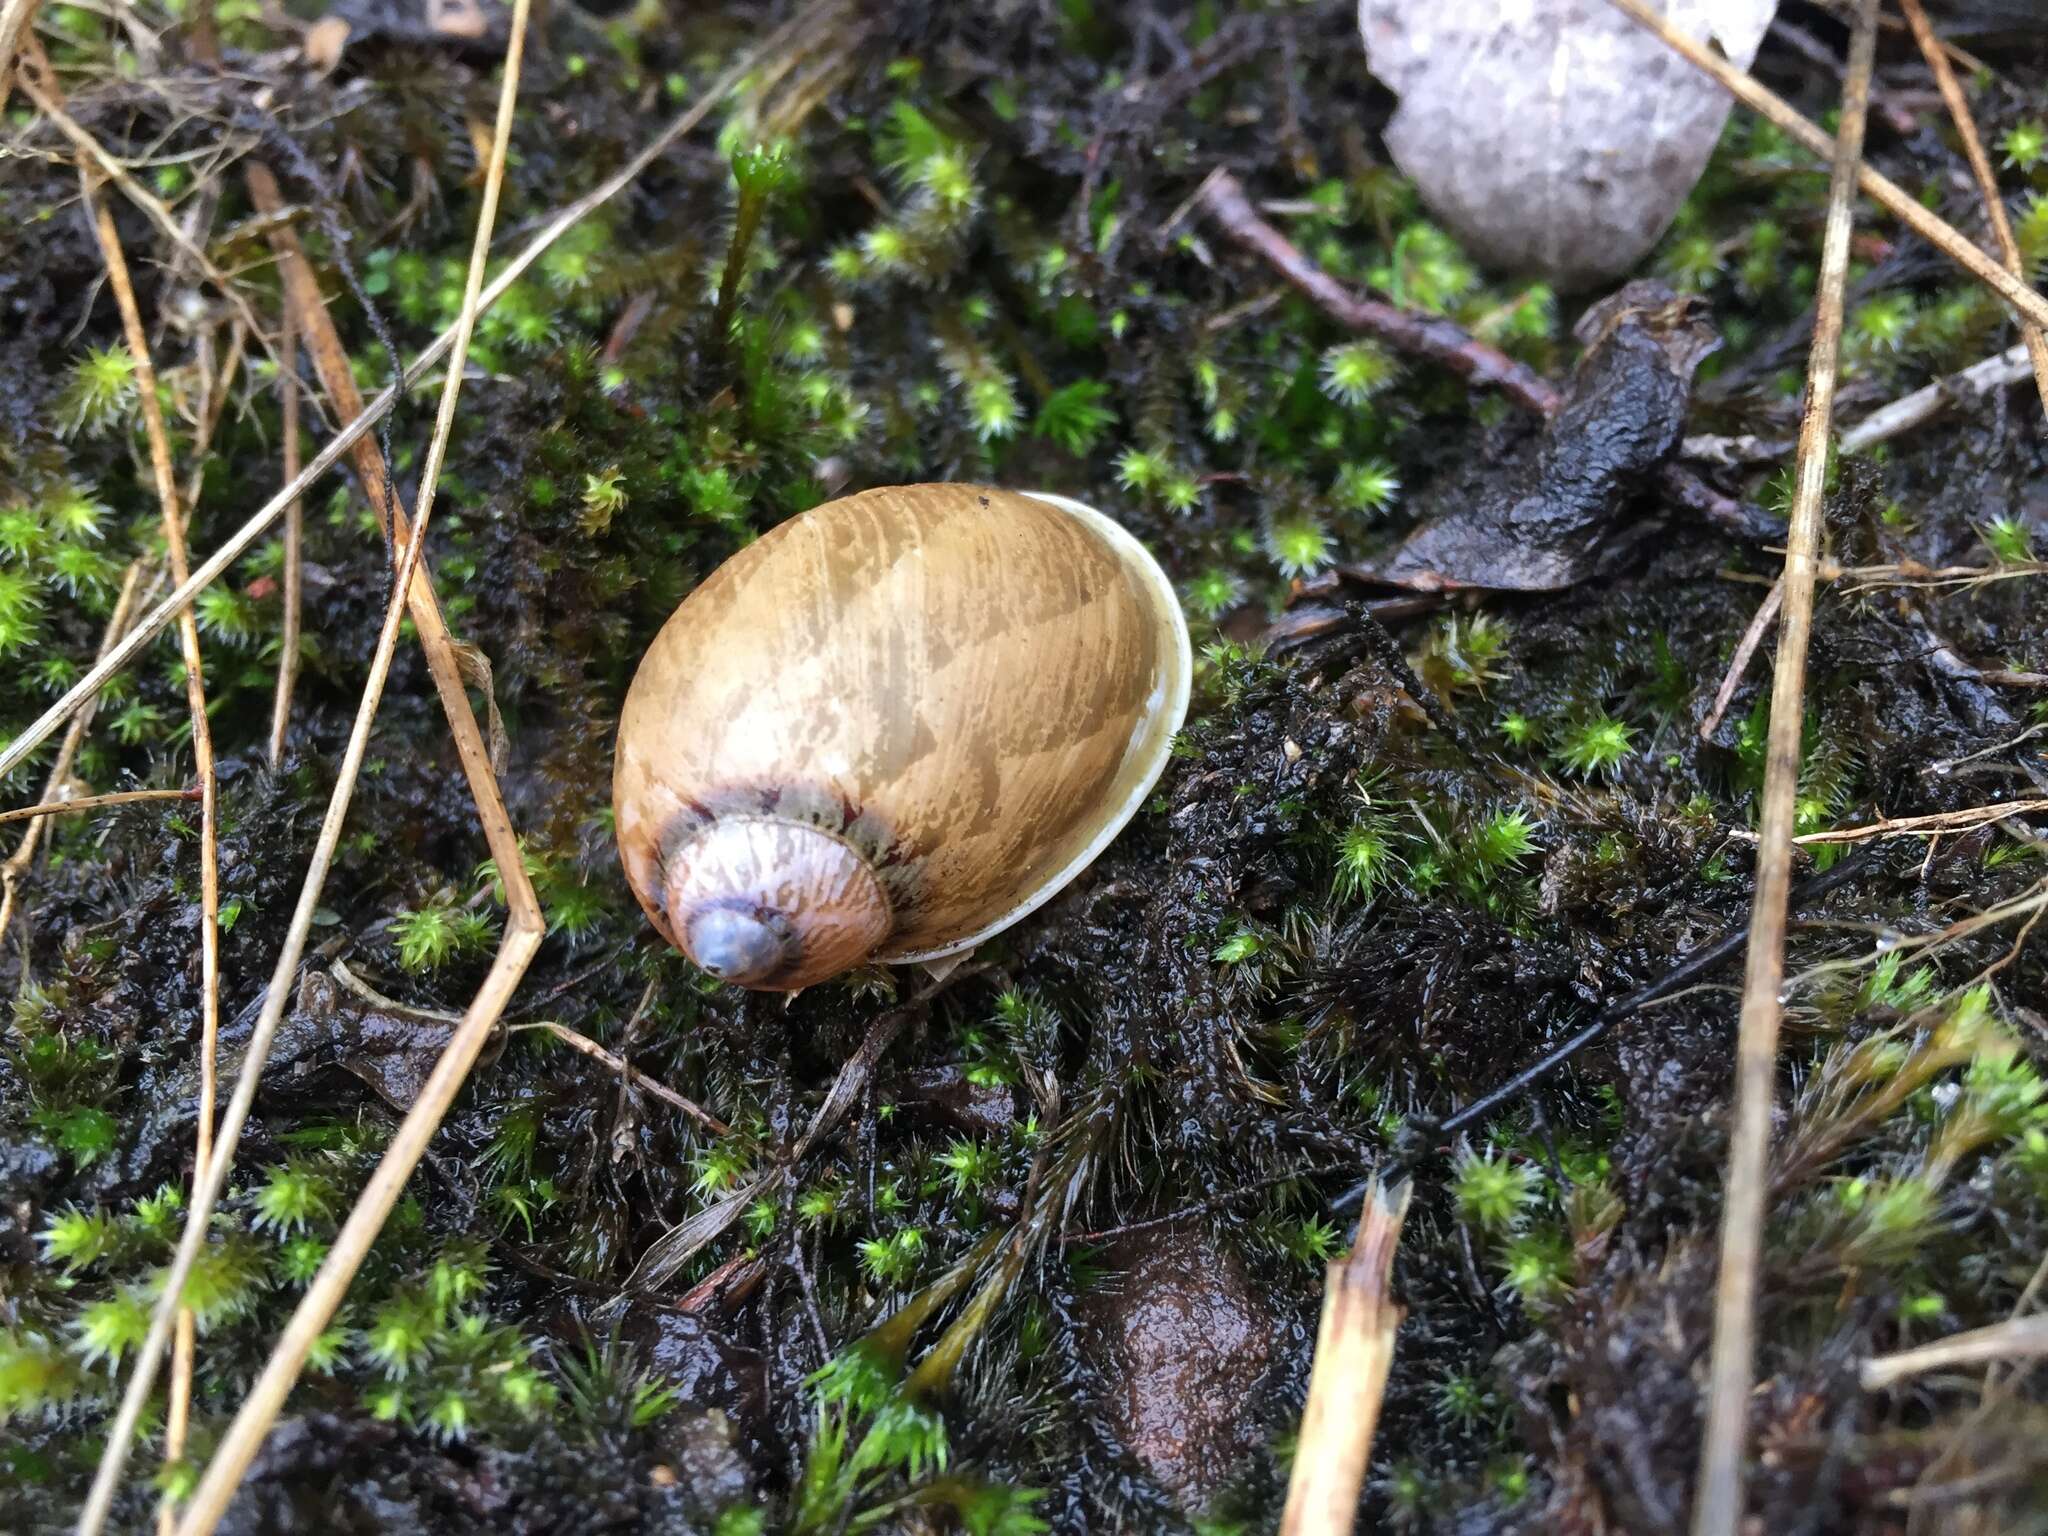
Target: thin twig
106	165
1941	768
524	926
2016	1338
631	1073
1888	421
1354	1350
1909	411
1206	1207
1718	1510
178	1416
294	522
1738	664
60	773
1911	573
1987	180
1430	336
97	803
353	430
1895	199
1923	826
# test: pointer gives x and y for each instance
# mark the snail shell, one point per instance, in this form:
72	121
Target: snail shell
892	727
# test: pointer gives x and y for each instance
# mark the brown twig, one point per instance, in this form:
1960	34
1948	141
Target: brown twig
1354	1350
178	1416
524	924
2017	1338
1924	826
1441	341
1431	337
1987	180
1738	664
98	803
1956	51
15	15
631	1073
294	522
1718	1508
1894	198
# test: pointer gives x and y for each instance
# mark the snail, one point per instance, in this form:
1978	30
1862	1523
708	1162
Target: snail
893	726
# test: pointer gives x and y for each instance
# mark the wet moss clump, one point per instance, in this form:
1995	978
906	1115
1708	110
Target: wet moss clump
1057	1262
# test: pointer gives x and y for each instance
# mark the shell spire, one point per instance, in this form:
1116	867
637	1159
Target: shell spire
773	904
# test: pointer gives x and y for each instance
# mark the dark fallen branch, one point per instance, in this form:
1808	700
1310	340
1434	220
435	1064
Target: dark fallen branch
1441	341
1448	345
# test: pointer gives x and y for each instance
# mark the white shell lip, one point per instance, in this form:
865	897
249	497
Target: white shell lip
1153	741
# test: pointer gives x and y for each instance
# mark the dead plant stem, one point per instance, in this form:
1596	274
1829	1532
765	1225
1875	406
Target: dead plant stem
1738	664
1718	1508
1987	180
1909	411
1894	198
1354	1351
96	803
2014	1339
182	1361
15	15
294	522
631	1073
524	928
1922	826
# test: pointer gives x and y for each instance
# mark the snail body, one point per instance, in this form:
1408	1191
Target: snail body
893	726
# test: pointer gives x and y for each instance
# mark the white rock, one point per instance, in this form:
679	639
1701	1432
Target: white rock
1556	137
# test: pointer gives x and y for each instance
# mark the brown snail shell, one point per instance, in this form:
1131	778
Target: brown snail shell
893	726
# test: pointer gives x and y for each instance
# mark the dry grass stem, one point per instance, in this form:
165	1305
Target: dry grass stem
2032	338
1895	199
96	803
179	1413
1718	1507
1922	826
2021	1338
1910	573
524	927
206	1191
294	525
1354	1350
1738	664
15	15
353	430
631	1073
